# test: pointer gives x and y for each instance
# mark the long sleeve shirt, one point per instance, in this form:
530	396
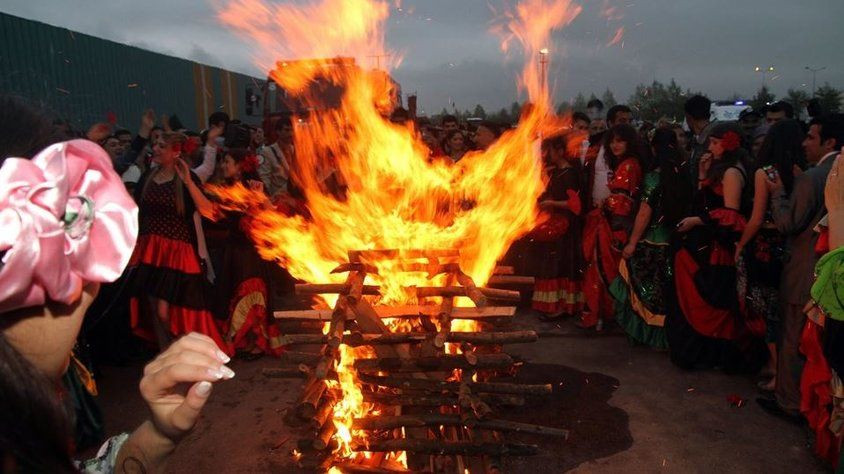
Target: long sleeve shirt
795	216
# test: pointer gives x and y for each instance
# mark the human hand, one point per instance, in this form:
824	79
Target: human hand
214	132
183	170
147	123
703	165
688	224
98	132
255	185
194	359
628	250
737	254
834	190
775	185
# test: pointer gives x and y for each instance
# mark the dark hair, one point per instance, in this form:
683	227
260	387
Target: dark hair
493	127
831	127
635	149
563	142
155	128
615	110
676	192
282	122
444	142
698	107
240	154
596	103
218	117
814	108
783	148
122	131
781	106
731	158
35	430
24	130
448	118
400	115
580	116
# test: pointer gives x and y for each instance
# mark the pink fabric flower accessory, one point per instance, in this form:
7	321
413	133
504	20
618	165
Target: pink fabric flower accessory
65	219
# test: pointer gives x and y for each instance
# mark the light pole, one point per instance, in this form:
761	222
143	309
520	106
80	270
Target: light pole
815	71
543	64
764	72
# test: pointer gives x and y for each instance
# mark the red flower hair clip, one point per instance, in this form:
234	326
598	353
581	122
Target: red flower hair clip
249	164
731	141
188	147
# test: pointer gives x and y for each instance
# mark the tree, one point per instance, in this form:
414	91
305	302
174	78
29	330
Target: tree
479	112
829	97
608	99
655	101
797	99
762	98
579	103
515	112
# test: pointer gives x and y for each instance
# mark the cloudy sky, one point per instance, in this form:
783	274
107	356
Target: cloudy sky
450	56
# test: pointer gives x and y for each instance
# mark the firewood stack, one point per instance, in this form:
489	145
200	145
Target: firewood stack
435	404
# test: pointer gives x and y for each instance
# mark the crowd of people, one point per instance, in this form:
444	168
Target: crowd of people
718	242
716	245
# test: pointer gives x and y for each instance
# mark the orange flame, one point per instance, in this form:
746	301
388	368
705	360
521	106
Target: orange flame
392	196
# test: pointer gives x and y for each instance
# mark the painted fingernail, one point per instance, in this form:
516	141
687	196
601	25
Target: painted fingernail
223	357
227	372
216	373
203	389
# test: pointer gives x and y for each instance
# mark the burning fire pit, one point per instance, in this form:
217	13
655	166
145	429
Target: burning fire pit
398	386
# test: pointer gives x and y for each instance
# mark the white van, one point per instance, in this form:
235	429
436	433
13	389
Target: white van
727	110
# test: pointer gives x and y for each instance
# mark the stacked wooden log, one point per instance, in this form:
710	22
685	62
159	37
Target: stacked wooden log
433	402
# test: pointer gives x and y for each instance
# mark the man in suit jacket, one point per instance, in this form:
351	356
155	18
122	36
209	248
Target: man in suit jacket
796	216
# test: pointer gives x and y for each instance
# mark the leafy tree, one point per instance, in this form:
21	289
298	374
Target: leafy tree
479	112
579	103
563	108
797	99
515	112
657	100
608	99
762	98
829	97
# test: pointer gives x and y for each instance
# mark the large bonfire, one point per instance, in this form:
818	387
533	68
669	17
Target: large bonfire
395	196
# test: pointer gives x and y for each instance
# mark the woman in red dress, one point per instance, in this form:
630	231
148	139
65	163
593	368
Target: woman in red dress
243	285
705	325
608	225
168	288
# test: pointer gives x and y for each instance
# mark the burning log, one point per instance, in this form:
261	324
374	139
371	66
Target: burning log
355	267
503	270
407	383
355	282
356	256
349	468
392	422
426	291
326	432
309	402
477	338
434	364
338	321
323	414
332	288
439	400
466	448
510	280
472	291
410	311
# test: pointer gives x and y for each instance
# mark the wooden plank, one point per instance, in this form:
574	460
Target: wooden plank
408	311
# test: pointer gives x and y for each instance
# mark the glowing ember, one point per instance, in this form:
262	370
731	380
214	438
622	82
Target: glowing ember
391	195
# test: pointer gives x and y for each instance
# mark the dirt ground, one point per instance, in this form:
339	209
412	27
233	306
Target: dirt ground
628	408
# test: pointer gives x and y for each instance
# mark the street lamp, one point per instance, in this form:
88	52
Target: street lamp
815	72
543	64
764	72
